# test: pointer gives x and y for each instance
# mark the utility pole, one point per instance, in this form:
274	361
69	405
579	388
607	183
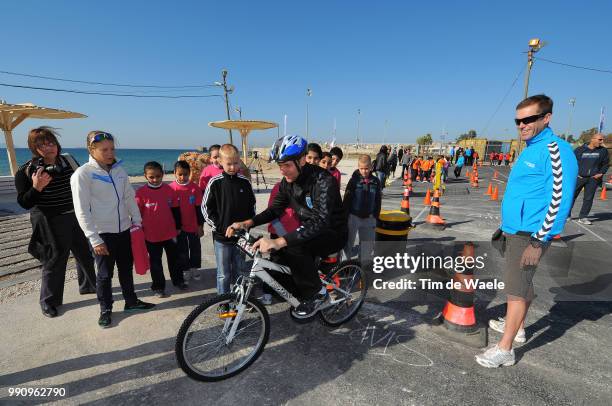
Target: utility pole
226	91
308	94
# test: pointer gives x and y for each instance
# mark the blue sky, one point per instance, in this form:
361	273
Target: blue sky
423	67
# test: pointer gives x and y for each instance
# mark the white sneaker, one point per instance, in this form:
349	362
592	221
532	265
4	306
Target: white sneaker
498	325
196	274
495	357
585	221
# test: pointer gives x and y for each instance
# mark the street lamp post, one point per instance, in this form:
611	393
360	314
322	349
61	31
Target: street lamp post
572	103
534	46
358	117
308	94
239	111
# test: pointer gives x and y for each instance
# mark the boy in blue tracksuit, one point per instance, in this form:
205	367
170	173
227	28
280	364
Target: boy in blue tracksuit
537	202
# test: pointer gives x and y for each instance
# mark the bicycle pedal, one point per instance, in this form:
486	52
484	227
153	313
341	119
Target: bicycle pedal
228	315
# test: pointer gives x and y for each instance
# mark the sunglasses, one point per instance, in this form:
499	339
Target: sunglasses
529	120
101	137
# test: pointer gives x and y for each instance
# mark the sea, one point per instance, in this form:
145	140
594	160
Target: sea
133	160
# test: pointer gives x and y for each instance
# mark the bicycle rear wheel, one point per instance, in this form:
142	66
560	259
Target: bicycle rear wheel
201	348
349	283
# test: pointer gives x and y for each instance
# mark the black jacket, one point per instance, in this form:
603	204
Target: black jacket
591	161
315	197
380	163
227	199
361	198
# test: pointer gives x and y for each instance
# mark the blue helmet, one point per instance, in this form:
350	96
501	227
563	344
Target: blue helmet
288	148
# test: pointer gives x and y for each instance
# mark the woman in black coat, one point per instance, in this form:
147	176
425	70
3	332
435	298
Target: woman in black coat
381	165
43	185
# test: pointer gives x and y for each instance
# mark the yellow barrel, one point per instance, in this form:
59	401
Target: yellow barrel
393	225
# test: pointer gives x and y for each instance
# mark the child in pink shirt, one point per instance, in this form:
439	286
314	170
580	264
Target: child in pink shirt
188	241
161	222
213	169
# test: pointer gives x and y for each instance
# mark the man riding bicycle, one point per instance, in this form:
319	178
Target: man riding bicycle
313	193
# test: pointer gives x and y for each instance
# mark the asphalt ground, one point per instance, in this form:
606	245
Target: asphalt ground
389	354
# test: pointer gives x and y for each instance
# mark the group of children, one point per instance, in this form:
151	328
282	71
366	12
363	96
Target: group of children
173	214
499	158
424	169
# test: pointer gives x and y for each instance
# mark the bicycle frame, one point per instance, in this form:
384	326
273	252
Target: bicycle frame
259	271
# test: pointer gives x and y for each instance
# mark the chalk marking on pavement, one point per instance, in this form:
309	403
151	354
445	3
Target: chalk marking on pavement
592	232
421	212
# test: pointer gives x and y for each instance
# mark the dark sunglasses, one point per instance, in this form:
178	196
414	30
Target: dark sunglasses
101	137
530	119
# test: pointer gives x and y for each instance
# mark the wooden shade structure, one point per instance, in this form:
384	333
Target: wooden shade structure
244	127
11	115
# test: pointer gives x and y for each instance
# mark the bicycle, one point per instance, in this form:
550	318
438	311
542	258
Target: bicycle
224	335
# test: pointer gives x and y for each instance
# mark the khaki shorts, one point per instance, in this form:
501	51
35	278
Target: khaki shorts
518	281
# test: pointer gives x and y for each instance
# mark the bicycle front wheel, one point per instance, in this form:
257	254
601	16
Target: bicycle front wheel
348	287
202	348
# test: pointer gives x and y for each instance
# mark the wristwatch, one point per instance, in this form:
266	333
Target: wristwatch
535	243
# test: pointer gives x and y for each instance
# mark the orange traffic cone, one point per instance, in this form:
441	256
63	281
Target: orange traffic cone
458	318
495	194
475	178
468	174
604	193
489	191
495	174
427	200
405	205
434	219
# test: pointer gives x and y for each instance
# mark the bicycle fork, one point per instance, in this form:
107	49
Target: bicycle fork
232	323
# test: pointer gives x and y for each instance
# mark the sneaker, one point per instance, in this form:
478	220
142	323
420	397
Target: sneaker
187	274
266	299
498	325
160	293
105	319
139	305
495	357
585	221
195	272
183	286
309	307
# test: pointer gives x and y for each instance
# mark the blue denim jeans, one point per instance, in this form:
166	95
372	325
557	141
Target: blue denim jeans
230	264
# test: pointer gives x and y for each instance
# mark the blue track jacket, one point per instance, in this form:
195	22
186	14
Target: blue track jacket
540	189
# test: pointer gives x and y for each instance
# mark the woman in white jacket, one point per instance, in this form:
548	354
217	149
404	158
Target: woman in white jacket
106	210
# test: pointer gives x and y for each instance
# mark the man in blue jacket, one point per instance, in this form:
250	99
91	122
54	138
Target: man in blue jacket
537	202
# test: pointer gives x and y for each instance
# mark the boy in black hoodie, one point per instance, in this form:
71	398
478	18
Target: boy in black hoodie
362	200
228	198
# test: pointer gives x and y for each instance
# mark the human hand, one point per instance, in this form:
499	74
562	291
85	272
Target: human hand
267	245
598	176
40	179
201	231
531	256
239	225
101	249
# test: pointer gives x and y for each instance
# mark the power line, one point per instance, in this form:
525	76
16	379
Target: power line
574	66
502	101
103	83
111	94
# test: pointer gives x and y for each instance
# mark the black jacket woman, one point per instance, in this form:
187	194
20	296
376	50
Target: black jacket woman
381	165
43	185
